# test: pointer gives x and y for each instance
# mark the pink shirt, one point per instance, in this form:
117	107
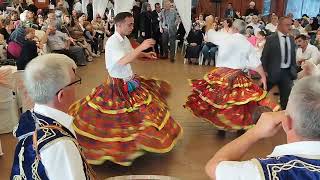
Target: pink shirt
253	40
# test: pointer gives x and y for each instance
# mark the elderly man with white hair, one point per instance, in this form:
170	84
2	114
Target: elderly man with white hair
226	96
296	160
47	146
252	9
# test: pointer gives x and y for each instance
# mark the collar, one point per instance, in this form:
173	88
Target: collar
280	34
61	117
302	148
119	37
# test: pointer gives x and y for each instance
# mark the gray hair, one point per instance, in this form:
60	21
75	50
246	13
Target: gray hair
45	75
304	107
240	26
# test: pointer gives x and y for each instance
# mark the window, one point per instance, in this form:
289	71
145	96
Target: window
300	7
266	7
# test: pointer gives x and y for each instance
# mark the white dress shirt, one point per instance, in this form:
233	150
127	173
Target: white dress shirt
118	47
235	51
311	54
282	46
256	27
249	170
271	27
61	159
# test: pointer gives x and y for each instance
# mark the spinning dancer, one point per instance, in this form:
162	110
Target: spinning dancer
226	96
127	115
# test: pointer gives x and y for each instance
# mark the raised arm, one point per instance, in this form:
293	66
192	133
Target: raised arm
137	53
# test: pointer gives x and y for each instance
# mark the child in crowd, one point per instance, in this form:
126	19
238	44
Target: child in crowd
89	34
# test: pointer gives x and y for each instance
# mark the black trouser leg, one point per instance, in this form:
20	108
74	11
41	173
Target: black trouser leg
165	41
285	85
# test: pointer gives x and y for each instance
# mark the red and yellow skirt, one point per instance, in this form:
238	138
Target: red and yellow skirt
117	125
227	98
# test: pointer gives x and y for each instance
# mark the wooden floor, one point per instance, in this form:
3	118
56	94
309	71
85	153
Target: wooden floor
200	141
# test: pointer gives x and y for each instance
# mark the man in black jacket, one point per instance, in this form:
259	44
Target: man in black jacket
279	60
156	29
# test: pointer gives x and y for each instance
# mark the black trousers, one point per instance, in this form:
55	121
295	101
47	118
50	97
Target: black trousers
285	84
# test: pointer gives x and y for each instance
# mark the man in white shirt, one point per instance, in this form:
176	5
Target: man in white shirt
50	81
272	27
255	24
296	160
306	51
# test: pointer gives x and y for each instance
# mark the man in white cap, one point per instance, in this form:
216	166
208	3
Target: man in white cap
252	9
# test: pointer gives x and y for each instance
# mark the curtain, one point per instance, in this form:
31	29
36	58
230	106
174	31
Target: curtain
184	10
84	6
123	6
300	7
99	6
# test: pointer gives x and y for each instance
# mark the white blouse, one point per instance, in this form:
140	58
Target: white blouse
234	51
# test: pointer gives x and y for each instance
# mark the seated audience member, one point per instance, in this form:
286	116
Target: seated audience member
181	32
297	25
306	51
110	29
40	22
317	40
52	19
272	26
252	9
308	69
194	39
59	42
250	36
29	49
50	81
99	27
260	42
209	49
295	160
227	26
91	38
201	21
7	28
255	24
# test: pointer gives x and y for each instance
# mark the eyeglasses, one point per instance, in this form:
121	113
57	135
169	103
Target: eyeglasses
77	81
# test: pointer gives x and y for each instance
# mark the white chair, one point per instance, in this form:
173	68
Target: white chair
1	152
8	106
9	115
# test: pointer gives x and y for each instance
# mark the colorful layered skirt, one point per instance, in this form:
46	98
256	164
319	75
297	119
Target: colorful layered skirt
227	98
119	123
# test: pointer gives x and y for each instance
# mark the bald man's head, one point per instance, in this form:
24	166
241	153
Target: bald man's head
285	24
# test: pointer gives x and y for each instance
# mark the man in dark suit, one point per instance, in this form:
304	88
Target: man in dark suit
279	60
156	29
230	12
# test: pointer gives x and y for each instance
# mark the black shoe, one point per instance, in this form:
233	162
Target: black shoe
241	132
172	60
221	133
276	94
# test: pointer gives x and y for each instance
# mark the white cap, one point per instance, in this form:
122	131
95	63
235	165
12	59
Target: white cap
252	3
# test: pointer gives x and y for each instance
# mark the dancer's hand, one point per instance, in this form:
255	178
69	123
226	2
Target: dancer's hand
269	124
151	55
264	83
146	44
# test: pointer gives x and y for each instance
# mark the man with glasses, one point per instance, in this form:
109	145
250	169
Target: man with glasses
47	146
